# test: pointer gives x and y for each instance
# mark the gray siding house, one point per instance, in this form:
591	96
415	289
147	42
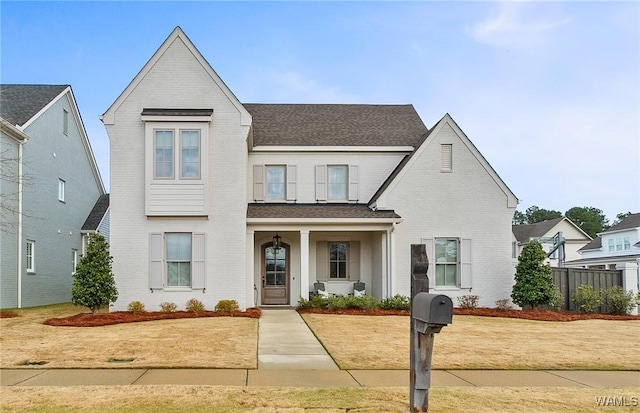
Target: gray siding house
49	186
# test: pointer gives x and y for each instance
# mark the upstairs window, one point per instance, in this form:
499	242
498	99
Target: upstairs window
190	154
163	154
276	182
337	182
65	121
61	185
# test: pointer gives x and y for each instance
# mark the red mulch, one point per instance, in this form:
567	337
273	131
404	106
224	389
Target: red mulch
119	317
7	314
538	315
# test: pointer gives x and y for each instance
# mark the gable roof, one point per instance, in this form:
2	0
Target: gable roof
97	213
424	140
335	125
524	233
20	103
177	34
630	221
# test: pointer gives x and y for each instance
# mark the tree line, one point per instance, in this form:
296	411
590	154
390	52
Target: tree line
589	219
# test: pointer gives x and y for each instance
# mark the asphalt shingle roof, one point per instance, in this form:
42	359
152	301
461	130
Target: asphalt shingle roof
97	213
524	233
631	221
335	125
316	211
19	103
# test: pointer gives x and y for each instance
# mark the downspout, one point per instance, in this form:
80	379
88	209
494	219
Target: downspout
19	289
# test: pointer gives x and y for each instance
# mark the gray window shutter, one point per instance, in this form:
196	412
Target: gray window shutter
431	253
321	182
322	261
198	252
291	182
354	260
156	261
353	183
258	182
465	263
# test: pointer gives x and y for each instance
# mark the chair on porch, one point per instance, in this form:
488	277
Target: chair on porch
319	288
358	289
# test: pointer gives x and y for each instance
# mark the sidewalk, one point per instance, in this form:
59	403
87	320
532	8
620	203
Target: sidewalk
289	355
315	378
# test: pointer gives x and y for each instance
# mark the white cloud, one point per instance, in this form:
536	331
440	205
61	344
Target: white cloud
517	24
291	86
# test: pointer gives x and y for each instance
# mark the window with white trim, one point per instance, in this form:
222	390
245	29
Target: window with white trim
177	260
74	260
61	184
337	183
166	160
446	261
30	251
65	121
619	244
189	154
274	183
163	154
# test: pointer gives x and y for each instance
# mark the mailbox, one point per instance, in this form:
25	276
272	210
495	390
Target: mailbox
432	309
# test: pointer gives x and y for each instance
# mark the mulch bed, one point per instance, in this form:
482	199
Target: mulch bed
7	314
119	317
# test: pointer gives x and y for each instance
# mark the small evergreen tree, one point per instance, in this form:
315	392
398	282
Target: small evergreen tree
534	282
93	282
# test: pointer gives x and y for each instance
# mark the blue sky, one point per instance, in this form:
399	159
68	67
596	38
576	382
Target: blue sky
549	92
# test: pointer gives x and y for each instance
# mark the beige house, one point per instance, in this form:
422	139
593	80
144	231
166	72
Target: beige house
217	199
546	232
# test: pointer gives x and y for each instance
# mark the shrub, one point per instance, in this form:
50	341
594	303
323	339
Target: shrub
617	301
341	302
316	301
585	299
504	304
194	305
468	301
136	307
93	282
533	280
168	307
227	306
557	303
397	302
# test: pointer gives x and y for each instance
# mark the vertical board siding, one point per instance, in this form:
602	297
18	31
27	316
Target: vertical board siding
567	280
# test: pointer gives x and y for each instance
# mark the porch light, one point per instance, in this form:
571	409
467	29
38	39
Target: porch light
276	241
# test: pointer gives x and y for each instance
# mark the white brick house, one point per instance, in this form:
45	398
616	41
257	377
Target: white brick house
202	185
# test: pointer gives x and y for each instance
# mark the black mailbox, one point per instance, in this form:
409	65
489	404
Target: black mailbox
432	309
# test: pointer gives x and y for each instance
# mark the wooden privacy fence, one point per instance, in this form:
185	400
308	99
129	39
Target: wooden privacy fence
568	279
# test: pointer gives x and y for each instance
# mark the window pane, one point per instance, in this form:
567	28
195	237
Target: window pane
178	247
440	275
163	143
179	274
446	250
627	243
611	245
190	146
276	182
337	182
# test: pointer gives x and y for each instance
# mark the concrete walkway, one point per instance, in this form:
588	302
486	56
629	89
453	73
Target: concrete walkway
286	343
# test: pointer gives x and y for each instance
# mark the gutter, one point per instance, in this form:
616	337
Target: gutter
19	289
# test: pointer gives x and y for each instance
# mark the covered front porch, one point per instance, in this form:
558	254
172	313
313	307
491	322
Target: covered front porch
292	246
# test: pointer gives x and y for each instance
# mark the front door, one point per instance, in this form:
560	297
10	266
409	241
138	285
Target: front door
275	275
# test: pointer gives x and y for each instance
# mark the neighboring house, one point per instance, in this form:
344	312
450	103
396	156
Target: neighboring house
613	248
214	199
545	231
49	185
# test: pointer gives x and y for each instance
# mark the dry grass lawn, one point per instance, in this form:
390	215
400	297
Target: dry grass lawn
219	342
361	342
214	399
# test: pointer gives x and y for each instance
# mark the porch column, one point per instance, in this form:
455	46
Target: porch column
630	280
250	264
391	261
304	263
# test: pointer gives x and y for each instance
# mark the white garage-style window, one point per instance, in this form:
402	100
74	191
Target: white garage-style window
177	260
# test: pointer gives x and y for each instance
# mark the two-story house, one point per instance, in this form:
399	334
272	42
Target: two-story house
613	248
49	185
215	199
547	233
